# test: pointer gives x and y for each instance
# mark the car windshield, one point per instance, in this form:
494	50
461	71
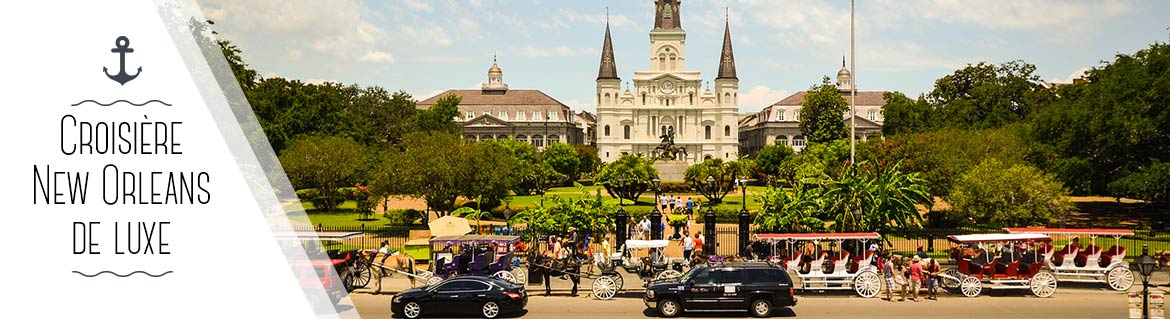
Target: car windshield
689	274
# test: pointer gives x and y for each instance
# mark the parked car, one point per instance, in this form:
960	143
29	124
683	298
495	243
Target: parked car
479	296
755	287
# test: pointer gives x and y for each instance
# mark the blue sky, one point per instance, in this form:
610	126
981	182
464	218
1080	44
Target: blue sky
781	46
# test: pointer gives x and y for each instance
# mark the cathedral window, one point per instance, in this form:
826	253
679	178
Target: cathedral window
692	100
643	98
727	130
707	132
607	130
607	98
626	132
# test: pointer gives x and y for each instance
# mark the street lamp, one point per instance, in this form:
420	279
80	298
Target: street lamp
710	185
1145	266
743	189
656	214
621	188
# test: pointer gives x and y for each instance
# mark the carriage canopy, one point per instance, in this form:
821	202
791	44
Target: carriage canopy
825	236
475	239
1071	231
983	238
646	244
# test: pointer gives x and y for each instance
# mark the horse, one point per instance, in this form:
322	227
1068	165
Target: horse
550	267
399	262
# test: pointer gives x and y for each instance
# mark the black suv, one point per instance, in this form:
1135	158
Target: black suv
755	287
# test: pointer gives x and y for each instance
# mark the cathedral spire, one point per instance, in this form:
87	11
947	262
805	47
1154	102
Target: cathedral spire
608	69
666	14
727	59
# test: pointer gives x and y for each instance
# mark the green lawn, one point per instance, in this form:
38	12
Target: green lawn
343	216
732	201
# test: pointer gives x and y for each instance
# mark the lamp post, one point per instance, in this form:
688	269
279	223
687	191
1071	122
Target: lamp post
656	215
621	189
743	190
1145	266
744	221
710	188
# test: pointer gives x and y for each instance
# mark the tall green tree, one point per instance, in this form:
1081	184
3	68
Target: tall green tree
1009	195
325	163
627	177
905	115
822	112
1115	123
724	175
988	96
562	158
769	161
441	116
590	160
795	210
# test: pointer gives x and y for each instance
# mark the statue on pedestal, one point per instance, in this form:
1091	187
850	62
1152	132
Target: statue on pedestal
667	150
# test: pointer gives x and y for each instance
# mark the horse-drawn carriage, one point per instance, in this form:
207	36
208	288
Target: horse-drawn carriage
479	255
345	264
1089	263
1019	264
653	266
828	270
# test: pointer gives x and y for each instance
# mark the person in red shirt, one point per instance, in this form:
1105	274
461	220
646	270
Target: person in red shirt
916	276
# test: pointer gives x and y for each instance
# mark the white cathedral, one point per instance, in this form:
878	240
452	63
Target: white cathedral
668	98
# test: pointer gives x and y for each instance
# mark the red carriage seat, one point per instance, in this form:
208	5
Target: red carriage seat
1089	251
839	261
1059	257
855	264
794	261
1108	256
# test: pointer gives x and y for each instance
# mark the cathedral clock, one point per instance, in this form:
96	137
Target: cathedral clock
667	86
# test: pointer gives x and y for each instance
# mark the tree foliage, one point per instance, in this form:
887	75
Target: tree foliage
724	175
985	95
795	210
440	117
588	213
627	177
1150	183
821	114
1003	194
325	163
940	156
769	161
904	115
1114	124
562	158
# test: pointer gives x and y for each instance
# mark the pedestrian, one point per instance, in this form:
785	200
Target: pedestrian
644	228
933	269
916	276
670	202
887	268
699	240
690	209
921	253
901	278
688	245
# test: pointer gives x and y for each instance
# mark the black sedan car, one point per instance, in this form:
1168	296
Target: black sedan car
477	296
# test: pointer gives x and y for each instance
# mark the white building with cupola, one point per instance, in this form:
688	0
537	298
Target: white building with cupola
633	115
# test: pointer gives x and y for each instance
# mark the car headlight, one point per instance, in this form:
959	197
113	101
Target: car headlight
649	294
397	299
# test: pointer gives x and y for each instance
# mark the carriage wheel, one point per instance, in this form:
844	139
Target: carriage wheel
951	282
347	279
617	278
971	286
361	274
867	284
1043	284
668	274
521	275
604	288
1120	278
505	276
434	280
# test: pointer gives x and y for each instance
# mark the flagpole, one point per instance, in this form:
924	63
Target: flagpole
852	84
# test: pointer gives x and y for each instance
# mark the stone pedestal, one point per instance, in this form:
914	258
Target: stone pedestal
671	171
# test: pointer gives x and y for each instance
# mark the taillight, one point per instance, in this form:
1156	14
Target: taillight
791	292
514	295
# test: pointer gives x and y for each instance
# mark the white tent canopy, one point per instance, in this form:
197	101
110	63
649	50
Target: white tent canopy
644	244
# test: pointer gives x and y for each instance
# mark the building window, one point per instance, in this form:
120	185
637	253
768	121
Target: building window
726	130
554	139
607	130
470	137
502	137
798	141
536	116
607	98
538	140
504	115
552	116
522	138
707	131
796	115
485	138
780	115
872	115
692	95
643	98
782	140
626	132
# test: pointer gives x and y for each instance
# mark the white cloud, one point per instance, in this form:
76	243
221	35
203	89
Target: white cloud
759	97
378	57
559	51
320	81
1079	73
334	28
1056	21
417	5
431	34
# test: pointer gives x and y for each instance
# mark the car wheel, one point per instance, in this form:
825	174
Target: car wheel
669	308
761	308
491	310
412	310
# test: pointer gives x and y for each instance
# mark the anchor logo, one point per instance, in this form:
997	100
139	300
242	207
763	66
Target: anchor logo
121	47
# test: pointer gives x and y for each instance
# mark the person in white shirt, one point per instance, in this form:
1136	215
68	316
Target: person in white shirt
644	228
688	245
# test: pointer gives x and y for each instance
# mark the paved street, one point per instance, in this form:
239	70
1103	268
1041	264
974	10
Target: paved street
1070	301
